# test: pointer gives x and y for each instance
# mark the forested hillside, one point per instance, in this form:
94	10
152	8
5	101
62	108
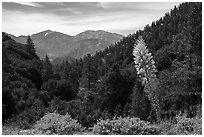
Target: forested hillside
21	77
106	85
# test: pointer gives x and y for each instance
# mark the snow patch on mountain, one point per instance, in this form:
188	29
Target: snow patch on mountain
46	34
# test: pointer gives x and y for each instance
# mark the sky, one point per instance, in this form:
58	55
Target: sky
27	18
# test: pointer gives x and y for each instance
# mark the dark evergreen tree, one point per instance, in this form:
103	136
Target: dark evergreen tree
88	72
30	47
47	72
66	70
74	79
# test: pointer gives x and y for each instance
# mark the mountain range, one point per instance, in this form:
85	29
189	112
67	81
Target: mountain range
59	46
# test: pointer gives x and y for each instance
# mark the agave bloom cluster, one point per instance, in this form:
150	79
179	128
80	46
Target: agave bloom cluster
146	70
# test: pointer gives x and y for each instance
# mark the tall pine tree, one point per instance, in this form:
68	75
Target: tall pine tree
30	47
47	72
88	74
66	70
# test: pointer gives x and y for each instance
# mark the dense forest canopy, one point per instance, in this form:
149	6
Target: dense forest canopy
106	84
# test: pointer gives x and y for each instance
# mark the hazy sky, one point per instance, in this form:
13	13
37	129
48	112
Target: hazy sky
71	18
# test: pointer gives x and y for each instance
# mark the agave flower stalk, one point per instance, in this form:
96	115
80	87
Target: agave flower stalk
146	70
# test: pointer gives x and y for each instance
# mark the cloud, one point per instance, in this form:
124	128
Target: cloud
75	17
104	5
63	11
54	3
32	4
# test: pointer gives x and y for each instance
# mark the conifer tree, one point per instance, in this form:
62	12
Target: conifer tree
66	70
74	77
30	47
88	71
47	72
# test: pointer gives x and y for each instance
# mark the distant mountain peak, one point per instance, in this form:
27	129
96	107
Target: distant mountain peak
95	31
48	32
22	36
57	44
102	31
43	32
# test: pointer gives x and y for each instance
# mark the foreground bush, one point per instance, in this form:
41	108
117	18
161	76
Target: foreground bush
28	117
187	126
125	126
10	130
54	123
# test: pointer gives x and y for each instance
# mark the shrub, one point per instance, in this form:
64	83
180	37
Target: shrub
125	126
187	126
54	123
10	130
29	116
